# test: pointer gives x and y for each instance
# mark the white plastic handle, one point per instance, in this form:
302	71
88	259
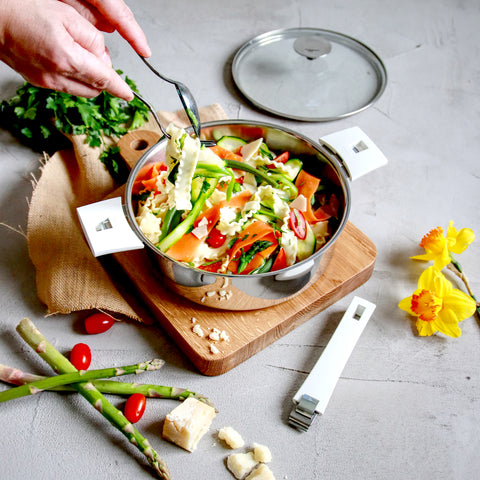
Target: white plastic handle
324	376
359	154
106	228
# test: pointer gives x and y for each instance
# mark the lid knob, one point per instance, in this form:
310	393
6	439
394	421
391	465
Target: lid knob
312	46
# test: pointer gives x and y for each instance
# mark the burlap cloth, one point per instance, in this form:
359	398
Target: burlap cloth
68	277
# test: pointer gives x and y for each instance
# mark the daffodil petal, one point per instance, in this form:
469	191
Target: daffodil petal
463	239
451	230
443	259
426	257
432	279
425	329
460	303
406	305
447	323
441	286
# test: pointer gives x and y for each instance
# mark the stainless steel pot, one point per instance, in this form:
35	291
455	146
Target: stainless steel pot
248	292
338	157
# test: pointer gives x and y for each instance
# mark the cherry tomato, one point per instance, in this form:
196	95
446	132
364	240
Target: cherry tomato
134	407
81	356
298	223
98	323
280	261
216	238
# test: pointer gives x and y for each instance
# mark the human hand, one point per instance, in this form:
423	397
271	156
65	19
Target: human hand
55	46
111	15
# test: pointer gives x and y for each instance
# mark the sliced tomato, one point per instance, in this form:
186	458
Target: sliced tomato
298	223
280	261
212	267
282	158
216	238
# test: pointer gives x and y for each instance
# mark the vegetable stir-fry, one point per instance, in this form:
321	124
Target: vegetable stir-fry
235	208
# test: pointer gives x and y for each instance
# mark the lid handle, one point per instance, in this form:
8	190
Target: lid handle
106	228
357	152
312	46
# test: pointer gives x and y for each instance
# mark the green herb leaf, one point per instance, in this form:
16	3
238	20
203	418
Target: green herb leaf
246	257
41	118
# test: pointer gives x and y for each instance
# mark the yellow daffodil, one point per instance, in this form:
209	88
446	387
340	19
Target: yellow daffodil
438	247
438	306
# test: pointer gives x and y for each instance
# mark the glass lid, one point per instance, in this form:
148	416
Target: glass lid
309	74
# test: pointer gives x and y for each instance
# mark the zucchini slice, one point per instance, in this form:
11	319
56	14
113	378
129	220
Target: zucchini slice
231	143
306	247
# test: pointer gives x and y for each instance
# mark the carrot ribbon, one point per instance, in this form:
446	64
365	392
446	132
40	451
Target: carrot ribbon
185	248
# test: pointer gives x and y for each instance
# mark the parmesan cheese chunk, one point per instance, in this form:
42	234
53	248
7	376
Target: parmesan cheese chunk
197	329
241	463
231	437
249	150
262	472
262	453
300	203
186	424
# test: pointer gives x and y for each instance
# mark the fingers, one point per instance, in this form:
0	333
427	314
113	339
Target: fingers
94	72
117	13
90	61
52	46
90	13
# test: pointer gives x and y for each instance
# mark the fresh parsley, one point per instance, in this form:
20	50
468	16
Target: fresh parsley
41	118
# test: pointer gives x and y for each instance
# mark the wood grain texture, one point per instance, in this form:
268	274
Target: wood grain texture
351	264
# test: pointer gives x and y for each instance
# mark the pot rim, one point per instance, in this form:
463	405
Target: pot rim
316	145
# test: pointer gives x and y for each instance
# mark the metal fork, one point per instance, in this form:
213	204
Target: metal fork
187	99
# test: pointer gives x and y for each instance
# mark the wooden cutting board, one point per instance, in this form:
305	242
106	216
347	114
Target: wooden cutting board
351	263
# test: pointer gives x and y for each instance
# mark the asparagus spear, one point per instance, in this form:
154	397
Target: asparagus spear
181	229
80	376
30	333
15	376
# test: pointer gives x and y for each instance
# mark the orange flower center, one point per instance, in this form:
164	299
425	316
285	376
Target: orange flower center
426	305
434	240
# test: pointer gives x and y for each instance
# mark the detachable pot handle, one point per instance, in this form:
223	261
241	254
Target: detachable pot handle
355	151
106	227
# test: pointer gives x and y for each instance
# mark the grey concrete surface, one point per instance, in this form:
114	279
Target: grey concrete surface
405	407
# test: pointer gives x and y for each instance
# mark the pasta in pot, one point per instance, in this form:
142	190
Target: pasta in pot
235	208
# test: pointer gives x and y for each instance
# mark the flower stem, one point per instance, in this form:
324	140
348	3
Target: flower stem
30	333
456	268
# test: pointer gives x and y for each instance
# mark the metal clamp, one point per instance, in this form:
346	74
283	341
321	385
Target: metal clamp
304	413
314	394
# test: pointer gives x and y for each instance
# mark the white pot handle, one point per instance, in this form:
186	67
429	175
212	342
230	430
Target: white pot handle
358	154
106	228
